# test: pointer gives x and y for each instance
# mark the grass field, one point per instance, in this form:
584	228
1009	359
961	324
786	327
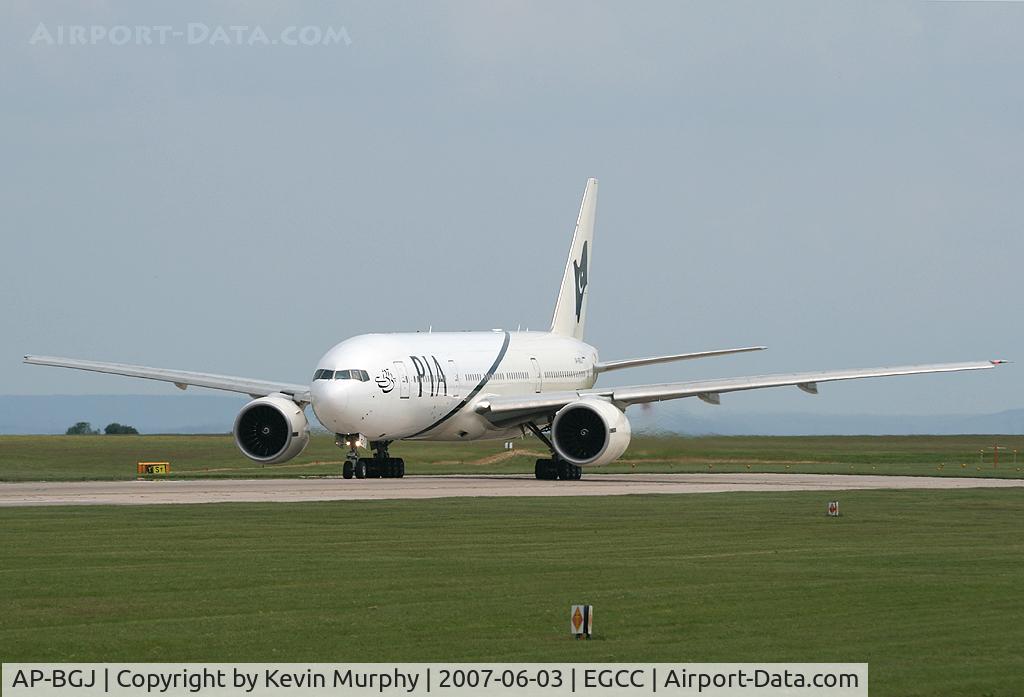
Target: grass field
114	457
925	586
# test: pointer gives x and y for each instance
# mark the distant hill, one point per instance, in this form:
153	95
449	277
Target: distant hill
211	413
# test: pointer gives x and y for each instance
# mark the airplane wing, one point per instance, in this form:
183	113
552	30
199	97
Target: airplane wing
605	366
181	378
509	410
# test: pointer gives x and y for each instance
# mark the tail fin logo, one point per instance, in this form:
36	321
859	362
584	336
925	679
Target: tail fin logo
580	272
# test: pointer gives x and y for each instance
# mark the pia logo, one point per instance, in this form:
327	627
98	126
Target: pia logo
385	381
580	272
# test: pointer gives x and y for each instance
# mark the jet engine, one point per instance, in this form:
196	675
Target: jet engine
271	429
590	431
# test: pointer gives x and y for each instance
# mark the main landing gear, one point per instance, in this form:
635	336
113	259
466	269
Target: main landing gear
380	466
555	467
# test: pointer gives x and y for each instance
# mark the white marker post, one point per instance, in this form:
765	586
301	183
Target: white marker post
581	620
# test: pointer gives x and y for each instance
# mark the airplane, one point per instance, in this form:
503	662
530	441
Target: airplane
375	389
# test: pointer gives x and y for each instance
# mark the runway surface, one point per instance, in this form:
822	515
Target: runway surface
137	493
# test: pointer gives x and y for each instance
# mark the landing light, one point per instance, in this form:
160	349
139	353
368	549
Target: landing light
350	440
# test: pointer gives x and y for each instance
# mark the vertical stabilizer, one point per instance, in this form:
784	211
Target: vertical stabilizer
571	307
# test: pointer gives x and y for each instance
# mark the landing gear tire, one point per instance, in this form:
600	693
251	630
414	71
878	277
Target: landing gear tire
360	469
382	465
374	468
395	468
346	470
569	472
545	470
383	468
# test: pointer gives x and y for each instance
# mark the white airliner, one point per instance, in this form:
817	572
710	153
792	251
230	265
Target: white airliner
374	389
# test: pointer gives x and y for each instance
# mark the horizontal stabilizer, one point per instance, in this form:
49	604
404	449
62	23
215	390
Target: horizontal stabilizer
605	366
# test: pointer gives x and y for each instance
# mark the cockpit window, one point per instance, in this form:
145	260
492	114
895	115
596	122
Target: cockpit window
360	375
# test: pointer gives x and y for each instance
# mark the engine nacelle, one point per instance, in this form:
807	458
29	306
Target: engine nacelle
590	431
271	429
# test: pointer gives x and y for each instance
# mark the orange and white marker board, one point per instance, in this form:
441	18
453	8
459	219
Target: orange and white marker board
581	620
833	508
154	467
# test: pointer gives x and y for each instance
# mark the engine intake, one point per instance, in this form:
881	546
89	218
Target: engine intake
271	429
590	432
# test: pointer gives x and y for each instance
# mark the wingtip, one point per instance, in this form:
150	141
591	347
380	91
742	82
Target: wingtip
998	361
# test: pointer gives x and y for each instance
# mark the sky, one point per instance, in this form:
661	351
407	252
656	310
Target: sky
838	181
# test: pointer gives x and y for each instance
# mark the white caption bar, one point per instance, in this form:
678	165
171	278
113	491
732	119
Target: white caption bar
444	679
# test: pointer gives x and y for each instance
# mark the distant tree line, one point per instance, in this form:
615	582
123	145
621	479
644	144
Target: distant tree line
84	428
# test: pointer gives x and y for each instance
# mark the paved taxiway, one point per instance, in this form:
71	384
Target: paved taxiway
429	487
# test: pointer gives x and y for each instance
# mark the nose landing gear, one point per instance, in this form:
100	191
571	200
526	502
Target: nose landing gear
380	466
353	466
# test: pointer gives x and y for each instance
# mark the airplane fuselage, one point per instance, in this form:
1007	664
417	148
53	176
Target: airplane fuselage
425	385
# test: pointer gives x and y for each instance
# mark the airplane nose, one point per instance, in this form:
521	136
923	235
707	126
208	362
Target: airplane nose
330	399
